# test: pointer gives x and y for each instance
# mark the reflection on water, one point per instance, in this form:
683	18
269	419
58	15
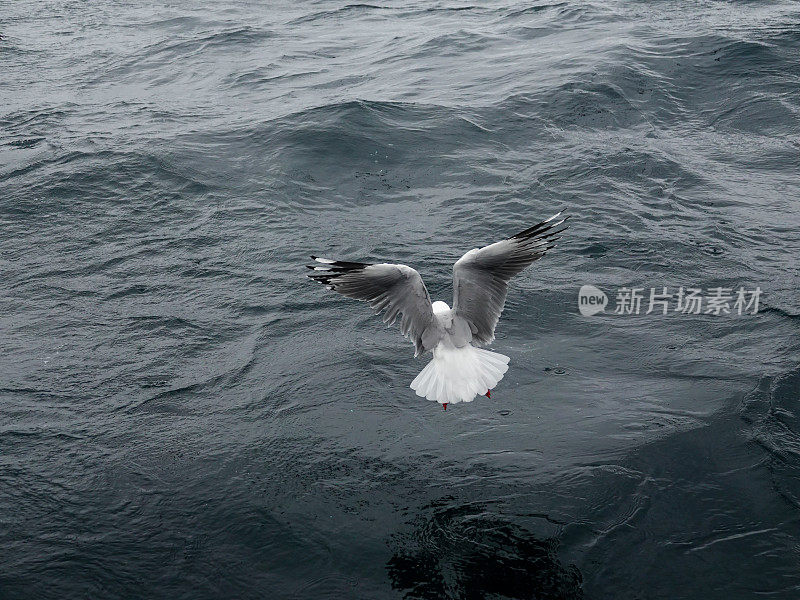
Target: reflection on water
467	554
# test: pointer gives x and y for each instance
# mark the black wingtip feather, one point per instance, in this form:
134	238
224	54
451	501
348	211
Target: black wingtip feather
549	234
327	272
540	228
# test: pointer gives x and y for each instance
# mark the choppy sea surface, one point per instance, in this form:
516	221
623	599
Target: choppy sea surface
183	414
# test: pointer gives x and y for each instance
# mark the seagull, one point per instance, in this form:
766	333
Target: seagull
459	369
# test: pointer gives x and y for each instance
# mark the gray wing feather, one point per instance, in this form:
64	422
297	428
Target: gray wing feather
396	289
480	277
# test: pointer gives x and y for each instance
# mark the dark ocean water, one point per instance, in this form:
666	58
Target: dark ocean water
184	415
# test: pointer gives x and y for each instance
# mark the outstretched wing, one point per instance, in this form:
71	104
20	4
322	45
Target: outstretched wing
480	277
396	289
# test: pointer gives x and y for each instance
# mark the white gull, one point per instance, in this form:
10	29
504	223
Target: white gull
459	370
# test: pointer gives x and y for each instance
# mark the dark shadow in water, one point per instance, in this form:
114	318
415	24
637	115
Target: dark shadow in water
466	554
773	410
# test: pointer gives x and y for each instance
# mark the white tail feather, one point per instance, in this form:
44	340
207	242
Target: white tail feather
459	374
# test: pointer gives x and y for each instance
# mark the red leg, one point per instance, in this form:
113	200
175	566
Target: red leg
444	405
488	393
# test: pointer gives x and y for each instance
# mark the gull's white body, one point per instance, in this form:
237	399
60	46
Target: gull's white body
458	374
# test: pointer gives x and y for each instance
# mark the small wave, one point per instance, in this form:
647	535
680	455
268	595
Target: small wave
263	77
579	104
346	10
514	14
167	52
451	44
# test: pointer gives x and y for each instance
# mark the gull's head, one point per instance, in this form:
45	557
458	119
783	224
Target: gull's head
440	308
